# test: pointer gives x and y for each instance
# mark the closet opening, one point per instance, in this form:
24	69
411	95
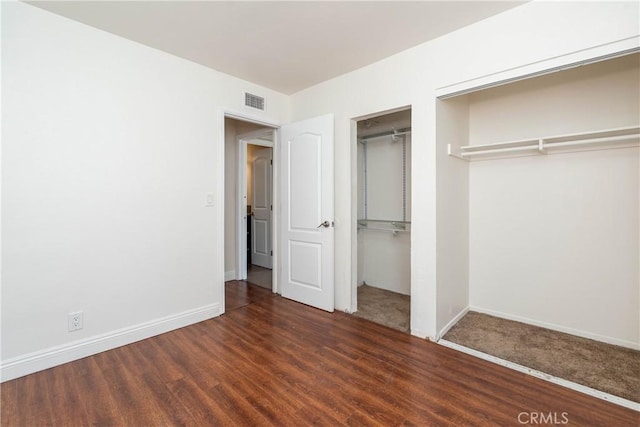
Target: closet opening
383	290
537	226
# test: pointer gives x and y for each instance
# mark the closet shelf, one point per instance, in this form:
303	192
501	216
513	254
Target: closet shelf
384	224
394	134
598	140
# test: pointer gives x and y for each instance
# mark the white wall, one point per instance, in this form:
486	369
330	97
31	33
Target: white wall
452	235
516	39
384	257
386	260
230	195
109	151
592	97
1	174
554	239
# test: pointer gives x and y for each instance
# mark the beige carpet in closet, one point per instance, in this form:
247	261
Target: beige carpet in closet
605	367
384	307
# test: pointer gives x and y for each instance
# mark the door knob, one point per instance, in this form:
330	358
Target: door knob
325	224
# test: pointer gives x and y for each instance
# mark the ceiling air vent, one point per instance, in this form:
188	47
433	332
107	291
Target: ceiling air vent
254	101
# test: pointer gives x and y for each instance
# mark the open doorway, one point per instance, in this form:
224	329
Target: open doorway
258	193
383	292
302	200
249	193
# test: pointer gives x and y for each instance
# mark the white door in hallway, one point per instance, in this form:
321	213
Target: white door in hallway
307	234
261	178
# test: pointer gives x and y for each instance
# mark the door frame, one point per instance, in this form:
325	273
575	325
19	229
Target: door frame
220	177
241	198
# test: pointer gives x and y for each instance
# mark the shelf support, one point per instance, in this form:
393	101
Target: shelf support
451	153
541	147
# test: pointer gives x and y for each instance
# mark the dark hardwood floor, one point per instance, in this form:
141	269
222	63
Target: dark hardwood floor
271	361
239	293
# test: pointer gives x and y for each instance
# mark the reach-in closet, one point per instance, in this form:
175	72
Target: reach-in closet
384	219
539	221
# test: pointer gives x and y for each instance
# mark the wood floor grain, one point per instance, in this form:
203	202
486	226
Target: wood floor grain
270	361
240	293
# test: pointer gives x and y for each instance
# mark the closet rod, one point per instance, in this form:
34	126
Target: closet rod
500	150
546	145
384	225
591	141
608	138
399	132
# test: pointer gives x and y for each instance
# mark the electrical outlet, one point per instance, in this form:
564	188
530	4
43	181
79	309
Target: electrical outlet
76	320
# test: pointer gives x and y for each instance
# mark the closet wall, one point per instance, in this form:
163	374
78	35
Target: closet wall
452	212
384	256
554	239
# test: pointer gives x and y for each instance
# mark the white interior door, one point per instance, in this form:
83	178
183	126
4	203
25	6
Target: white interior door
307	212
261	254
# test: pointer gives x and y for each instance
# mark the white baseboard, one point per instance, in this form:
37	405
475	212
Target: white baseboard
453	321
230	275
54	356
538	374
420	334
559	328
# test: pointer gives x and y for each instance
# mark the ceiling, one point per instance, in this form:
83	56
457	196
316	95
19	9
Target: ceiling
285	46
